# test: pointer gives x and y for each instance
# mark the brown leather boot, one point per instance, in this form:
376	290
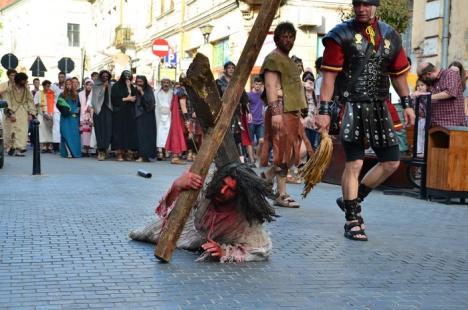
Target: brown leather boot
177	161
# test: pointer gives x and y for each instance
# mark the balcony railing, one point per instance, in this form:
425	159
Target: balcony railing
123	37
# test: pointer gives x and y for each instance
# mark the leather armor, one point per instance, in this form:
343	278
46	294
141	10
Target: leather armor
373	83
366	117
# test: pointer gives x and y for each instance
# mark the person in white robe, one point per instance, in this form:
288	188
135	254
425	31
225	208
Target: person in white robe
163	98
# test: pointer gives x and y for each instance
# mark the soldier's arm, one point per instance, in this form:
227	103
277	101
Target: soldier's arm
328	85
400	84
398	73
333	60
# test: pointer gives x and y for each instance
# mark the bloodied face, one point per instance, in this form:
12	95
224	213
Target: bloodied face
227	192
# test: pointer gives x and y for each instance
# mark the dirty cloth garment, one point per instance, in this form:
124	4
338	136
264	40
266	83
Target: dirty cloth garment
240	241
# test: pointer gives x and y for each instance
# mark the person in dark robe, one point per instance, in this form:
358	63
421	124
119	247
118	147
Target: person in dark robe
124	136
145	119
102	113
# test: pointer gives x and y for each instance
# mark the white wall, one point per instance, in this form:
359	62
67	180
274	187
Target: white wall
34	28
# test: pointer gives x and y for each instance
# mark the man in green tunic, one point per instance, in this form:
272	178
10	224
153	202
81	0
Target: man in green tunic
285	97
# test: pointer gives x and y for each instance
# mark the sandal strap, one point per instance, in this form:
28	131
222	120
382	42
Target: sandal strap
355	232
341	205
351	209
350	226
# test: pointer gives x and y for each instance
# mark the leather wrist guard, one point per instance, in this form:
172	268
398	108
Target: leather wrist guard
276	107
324	108
186	117
406	102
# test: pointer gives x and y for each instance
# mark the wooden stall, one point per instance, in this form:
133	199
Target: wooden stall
333	174
447	163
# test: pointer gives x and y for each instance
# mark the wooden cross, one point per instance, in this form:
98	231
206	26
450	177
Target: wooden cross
214	136
203	93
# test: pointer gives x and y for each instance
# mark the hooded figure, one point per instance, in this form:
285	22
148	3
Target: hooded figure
124	136
145	119
102	113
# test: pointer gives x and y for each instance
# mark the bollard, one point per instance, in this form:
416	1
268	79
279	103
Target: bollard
144	174
36	148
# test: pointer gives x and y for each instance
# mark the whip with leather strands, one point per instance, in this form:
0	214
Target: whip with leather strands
315	167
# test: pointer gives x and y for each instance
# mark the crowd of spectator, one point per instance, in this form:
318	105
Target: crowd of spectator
129	120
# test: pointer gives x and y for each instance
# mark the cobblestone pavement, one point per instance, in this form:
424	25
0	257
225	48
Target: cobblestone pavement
64	245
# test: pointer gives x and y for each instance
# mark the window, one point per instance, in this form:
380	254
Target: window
73	32
320	47
149	9
432	10
166	6
220	53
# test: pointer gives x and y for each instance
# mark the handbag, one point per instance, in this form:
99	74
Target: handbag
336	108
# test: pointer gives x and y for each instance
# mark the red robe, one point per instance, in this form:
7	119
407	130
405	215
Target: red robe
175	142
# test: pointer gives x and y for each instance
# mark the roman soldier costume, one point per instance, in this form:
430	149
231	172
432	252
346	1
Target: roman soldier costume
365	57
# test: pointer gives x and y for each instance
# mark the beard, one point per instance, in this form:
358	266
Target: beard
285	49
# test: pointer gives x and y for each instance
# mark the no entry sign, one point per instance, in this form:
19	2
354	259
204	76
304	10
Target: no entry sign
160	47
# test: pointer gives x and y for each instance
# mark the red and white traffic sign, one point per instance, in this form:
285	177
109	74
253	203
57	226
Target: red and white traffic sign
160	47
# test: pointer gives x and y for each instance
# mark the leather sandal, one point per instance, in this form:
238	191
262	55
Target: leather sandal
286	201
177	161
351	234
292	179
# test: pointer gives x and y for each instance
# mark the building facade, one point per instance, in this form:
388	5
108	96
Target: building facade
49	29
217	28
428	29
118	34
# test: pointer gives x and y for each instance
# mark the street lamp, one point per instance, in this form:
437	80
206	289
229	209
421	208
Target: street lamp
206	31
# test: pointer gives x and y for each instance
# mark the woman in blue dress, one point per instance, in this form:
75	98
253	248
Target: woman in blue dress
68	104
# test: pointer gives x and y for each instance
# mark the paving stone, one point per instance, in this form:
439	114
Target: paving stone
64	245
